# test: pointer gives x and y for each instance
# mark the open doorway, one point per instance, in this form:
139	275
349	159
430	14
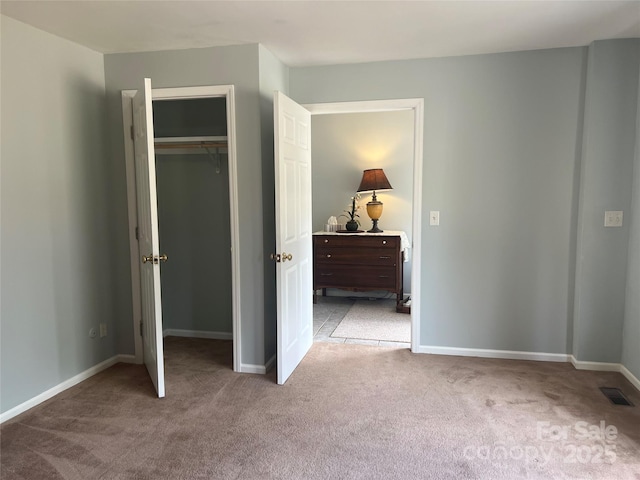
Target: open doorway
369	277
348	138
294	233
194	177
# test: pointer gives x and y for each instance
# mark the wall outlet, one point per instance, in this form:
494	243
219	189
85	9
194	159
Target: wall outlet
103	330
613	218
434	218
92	333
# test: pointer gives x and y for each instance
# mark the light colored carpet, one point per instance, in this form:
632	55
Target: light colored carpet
375	320
348	412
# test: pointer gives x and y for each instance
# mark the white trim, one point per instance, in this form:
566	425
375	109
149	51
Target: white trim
127	359
269	365
228	92
252	368
235	227
417	105
536	356
606	367
485	353
176	332
365	106
595	366
61	387
132	210
205	91
416	262
630	376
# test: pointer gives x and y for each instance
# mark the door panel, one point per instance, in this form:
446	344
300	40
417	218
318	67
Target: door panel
148	235
293	233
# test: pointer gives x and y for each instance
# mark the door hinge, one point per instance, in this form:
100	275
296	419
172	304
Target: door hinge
137	233
141	328
131	131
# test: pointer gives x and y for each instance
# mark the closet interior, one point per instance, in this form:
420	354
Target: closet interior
192	179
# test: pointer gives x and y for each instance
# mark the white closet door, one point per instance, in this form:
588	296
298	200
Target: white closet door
148	235
293	233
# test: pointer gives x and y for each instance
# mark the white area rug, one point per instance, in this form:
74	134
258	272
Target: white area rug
375	320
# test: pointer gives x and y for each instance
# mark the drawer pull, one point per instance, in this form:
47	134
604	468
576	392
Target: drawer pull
328	255
326	274
385	257
326	240
383	276
384	242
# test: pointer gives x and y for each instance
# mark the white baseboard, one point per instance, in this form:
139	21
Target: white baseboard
174	332
607	367
251	368
630	376
61	387
270	363
127	359
263	369
595	366
505	354
260	369
536	356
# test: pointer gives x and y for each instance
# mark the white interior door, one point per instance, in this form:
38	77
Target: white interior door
148	235
293	233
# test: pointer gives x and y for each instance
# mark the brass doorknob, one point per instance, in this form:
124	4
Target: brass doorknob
156	260
286	256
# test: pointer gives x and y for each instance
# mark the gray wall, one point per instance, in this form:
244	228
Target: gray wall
274	75
631	331
606	183
193	217
343	145
500	163
503	145
57	272
190	117
236	65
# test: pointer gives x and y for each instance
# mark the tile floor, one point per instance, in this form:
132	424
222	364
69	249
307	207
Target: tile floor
327	315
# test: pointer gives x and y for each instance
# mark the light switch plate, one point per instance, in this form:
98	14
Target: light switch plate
613	218
434	218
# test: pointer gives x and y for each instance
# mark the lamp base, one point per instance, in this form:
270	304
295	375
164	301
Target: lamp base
375	228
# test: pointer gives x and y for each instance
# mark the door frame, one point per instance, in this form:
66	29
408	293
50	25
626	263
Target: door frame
417	106
176	93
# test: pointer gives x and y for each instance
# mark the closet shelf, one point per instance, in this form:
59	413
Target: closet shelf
193	145
190	142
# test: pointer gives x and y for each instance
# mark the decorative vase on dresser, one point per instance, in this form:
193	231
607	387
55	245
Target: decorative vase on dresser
352	225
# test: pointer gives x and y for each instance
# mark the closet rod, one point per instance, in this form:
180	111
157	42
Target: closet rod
192	145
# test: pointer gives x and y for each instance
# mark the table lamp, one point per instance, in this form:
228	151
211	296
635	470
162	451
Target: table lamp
372	180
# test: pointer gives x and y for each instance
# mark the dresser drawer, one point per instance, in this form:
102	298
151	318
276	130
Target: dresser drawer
363	277
358	263
356	256
375	241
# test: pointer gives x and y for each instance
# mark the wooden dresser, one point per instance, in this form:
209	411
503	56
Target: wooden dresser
358	263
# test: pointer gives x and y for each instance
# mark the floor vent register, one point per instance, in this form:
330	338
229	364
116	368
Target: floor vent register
615	396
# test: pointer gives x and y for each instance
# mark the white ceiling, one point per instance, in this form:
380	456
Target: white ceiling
328	32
